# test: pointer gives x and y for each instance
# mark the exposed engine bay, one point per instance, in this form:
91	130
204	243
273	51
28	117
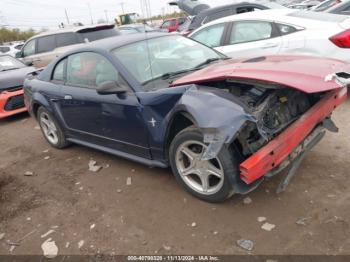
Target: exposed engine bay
273	107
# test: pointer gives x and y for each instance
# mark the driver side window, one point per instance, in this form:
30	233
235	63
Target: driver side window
210	36
29	48
166	24
91	70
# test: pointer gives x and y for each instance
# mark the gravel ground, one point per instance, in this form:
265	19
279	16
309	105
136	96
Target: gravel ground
91	212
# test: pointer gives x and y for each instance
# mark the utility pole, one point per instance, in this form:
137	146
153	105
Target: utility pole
142	11
106	16
122	6
92	21
148	6
65	11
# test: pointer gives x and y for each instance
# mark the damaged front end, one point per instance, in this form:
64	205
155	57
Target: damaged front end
280	125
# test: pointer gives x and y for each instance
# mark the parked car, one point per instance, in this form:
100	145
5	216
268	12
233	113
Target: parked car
272	32
11	49
166	100
136	28
302	6
12	75
172	25
215	13
341	8
323	6
43	48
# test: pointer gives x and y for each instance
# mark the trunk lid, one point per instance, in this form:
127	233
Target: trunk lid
304	73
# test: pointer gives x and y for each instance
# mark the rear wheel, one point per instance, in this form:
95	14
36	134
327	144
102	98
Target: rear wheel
208	180
51	129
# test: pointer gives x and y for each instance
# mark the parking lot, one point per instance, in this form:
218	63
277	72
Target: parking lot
101	212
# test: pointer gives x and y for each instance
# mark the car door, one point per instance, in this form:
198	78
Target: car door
112	121
251	39
28	52
45	50
212	36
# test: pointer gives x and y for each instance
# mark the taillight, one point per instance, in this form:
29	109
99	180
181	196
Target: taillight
341	40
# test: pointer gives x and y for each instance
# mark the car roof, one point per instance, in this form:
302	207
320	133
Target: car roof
121	40
73	29
337	6
288	16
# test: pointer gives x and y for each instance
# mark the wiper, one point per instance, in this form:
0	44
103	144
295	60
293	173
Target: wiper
208	61
171	74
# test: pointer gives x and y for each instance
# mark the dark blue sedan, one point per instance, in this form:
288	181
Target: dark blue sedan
165	100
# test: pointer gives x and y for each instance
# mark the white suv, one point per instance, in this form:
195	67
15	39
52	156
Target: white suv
41	49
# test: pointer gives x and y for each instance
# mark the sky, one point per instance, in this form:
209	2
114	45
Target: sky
39	14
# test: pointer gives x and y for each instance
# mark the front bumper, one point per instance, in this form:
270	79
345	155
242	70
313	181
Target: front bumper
276	151
11	103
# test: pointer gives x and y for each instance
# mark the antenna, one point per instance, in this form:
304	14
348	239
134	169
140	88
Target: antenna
65	11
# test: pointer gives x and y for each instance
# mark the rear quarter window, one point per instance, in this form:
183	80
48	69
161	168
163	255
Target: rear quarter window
58	73
66	39
97	34
286	29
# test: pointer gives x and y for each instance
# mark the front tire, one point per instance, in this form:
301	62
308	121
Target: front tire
51	129
208	180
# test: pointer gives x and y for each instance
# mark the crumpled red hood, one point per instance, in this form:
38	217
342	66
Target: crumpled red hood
305	73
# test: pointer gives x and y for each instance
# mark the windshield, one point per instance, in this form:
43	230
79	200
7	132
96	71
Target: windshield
9	63
99	34
326	5
153	58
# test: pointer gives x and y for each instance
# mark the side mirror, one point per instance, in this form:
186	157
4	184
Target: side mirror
19	54
111	87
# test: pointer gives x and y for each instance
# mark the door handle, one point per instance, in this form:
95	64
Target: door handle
68	97
269	45
106	113
36	60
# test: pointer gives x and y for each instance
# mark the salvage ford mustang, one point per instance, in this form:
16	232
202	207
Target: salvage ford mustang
222	125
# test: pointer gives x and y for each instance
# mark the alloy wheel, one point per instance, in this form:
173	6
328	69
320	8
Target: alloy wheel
49	128
203	176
